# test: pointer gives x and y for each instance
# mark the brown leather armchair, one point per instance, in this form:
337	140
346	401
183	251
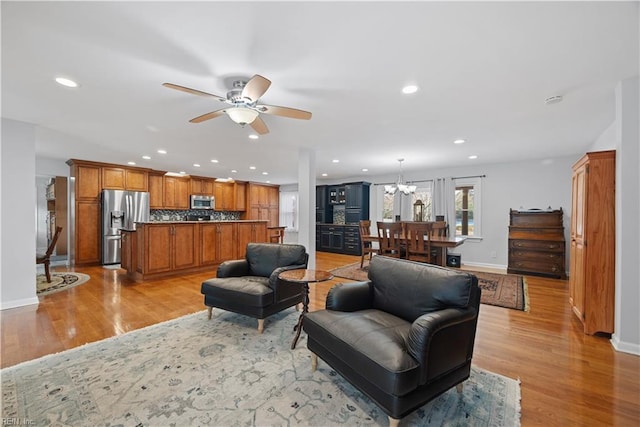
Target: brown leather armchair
251	286
403	337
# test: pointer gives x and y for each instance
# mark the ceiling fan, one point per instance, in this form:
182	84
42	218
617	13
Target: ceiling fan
243	100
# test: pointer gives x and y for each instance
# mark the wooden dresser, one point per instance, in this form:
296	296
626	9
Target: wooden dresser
536	243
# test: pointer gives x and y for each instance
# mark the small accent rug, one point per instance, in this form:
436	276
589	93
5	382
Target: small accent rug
502	290
59	282
222	372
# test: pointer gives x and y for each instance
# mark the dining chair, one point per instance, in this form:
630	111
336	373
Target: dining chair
439	229
276	234
390	238
45	258
367	241
418	241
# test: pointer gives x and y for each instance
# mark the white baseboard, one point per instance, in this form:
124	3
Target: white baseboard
485	265
625	347
5	305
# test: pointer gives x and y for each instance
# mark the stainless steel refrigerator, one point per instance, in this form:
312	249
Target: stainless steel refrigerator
120	210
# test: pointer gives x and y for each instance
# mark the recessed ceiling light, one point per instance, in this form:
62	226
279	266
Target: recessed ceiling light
335	161
410	89
196	165
234	171
265	173
146	157
66	82
324	174
253	136
214	160
473	157
459	141
252	168
131	163
365	170
162	151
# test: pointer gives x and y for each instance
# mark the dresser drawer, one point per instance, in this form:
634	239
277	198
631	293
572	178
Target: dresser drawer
524	266
537	245
540	256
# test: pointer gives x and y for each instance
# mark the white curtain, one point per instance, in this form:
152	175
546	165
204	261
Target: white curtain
444	201
289	210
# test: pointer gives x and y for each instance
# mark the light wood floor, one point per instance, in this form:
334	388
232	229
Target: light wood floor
567	378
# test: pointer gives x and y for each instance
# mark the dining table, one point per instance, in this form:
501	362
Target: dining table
441	243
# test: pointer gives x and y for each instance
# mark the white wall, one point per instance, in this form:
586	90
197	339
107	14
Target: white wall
526	184
17	221
627	318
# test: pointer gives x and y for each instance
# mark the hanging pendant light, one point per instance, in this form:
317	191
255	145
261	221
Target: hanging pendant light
400	186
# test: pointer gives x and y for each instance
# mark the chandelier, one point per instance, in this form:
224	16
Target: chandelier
403	188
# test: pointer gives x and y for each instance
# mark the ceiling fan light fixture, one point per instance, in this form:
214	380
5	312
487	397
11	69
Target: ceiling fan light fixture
242	115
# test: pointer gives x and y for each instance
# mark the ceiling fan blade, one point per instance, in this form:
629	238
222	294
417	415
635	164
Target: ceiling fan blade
256	87
207	116
259	126
192	91
292	113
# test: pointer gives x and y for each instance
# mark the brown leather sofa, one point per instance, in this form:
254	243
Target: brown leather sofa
403	337
251	286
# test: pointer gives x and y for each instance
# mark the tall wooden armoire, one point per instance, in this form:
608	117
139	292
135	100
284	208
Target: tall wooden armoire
592	248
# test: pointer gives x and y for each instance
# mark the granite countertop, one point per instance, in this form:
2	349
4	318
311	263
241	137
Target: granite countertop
205	221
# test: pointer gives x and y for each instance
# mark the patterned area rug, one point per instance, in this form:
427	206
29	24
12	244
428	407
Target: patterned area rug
59	282
221	372
502	290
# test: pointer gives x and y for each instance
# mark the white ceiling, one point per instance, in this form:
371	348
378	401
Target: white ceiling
484	71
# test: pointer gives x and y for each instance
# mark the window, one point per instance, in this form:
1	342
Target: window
423	193
467	207
289	210
387	207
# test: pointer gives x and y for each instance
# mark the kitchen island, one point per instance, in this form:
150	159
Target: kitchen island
167	248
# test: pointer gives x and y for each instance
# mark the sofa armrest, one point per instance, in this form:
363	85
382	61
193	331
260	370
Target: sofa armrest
442	340
233	268
348	297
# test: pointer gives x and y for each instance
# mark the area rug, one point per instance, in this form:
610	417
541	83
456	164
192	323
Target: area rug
59	282
502	290
222	372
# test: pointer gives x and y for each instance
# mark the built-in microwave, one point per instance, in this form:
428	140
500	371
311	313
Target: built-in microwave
202	202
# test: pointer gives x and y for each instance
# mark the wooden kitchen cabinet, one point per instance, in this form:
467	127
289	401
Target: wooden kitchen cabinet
87	181
592	247
176	192
128	250
113	178
264	203
225	196
250	232
240	196
203	186
136	180
88	232
169	247
217	242
156	190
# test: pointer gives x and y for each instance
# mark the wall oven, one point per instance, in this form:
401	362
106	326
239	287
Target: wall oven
202	202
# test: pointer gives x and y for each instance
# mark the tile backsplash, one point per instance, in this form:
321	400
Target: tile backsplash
173	215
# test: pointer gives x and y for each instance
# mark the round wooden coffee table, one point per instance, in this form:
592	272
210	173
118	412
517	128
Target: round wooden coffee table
305	277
